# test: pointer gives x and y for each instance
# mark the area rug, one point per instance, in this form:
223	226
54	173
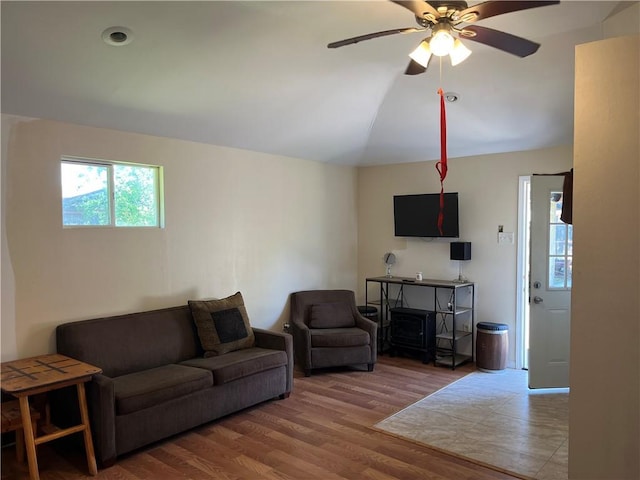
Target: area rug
492	419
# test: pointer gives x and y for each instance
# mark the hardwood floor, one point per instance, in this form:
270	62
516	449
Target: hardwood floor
322	431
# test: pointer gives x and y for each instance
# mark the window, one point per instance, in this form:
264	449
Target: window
111	194
560	246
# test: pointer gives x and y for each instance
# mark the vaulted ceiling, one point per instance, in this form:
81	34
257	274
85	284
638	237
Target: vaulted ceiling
259	76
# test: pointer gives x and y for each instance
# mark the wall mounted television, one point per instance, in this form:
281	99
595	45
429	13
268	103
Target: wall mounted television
417	215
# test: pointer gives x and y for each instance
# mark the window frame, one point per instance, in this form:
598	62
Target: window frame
110	165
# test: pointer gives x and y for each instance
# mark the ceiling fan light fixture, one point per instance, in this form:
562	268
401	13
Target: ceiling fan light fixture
442	41
422	54
459	53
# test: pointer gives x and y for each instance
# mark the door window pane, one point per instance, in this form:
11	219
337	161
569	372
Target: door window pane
555	207
560	246
557	272
557	239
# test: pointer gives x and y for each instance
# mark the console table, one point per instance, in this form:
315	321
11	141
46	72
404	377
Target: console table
41	374
452	302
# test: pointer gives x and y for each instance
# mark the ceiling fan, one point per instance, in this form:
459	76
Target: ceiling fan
444	19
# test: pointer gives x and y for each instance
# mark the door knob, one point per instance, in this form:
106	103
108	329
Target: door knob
537	299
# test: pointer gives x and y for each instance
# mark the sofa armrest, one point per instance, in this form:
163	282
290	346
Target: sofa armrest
272	340
102	412
277	341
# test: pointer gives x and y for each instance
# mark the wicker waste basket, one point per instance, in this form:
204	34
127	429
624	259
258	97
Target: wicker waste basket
492	346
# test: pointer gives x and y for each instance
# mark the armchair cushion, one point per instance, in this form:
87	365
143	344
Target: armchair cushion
223	325
331	315
339	337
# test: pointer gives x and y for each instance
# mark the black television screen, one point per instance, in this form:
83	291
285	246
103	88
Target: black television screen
417	215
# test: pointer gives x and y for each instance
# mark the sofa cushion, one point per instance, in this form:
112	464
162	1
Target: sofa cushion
240	363
147	388
223	325
339	337
331	315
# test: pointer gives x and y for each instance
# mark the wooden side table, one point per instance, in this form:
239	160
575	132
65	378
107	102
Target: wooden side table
12	421
44	373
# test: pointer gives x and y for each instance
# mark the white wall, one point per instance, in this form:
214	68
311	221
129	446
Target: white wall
488	197
604	422
235	220
625	21
7	284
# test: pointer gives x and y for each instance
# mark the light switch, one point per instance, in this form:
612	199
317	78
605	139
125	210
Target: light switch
505	238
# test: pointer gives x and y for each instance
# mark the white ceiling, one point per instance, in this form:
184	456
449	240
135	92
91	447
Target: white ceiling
259	76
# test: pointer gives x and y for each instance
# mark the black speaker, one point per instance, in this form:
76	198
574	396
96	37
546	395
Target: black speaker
460	250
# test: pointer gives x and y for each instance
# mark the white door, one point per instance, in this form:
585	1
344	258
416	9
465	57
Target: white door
550	287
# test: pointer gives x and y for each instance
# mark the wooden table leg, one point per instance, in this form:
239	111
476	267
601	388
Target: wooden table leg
88	441
20	441
29	438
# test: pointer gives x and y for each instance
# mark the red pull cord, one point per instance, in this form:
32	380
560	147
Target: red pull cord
441	166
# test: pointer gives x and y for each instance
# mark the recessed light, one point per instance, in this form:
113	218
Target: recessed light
117	36
451	97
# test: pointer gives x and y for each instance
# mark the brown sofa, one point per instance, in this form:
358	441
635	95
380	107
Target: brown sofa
328	330
156	381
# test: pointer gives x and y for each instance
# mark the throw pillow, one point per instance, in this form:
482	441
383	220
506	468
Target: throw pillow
331	315
223	325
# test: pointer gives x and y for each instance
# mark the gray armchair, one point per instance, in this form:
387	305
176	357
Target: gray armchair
328	330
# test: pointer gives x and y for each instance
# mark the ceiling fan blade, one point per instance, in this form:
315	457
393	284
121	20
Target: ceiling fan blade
418	7
414	68
503	41
493	8
369	36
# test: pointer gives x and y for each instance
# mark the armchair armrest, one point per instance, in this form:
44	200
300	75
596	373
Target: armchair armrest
102	412
302	342
277	341
371	327
366	324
